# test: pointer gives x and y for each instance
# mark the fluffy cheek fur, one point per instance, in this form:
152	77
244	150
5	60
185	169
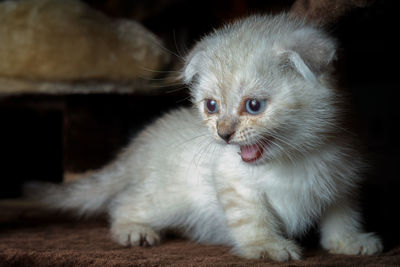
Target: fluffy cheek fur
246	132
211	122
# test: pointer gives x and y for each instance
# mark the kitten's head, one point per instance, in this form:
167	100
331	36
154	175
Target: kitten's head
262	84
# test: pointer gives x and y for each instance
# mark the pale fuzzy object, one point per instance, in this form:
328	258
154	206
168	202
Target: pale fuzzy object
59	41
178	173
13	86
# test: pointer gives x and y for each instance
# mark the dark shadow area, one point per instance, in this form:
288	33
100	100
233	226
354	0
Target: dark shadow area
30	145
369	73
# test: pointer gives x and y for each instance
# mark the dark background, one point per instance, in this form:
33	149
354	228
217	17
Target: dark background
41	137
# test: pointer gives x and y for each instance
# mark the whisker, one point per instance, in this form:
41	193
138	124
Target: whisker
197	158
161	71
288	143
169	51
281	138
181	55
193	138
206	152
183	100
177	89
263	144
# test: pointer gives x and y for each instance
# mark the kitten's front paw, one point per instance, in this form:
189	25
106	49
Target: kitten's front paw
277	249
134	235
354	244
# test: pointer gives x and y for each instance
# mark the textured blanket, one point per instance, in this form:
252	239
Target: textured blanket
33	237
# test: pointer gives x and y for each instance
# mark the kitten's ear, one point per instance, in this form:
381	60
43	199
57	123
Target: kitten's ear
191	68
309	50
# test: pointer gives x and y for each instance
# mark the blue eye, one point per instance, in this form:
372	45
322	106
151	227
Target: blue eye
255	107
211	106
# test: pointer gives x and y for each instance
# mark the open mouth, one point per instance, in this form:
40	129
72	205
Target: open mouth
251	153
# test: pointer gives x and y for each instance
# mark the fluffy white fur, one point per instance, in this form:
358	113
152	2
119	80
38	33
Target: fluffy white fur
179	174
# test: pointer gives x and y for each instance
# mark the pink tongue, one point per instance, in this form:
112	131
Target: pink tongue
250	153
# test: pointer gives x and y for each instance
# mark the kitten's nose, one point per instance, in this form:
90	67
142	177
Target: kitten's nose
226	129
226	136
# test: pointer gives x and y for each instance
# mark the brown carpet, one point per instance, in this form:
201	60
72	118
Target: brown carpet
32	237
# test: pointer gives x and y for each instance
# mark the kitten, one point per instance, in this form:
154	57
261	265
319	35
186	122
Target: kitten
259	159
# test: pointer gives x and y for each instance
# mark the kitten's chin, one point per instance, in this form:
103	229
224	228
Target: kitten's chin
251	153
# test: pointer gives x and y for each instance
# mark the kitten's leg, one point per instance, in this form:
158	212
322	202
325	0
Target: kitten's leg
254	228
341	232
134	234
131	222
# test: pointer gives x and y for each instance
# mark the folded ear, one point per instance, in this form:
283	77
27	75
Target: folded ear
308	49
191	67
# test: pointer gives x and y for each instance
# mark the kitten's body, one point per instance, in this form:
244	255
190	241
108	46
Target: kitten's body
284	168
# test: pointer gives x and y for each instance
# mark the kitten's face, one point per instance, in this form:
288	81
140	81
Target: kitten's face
249	97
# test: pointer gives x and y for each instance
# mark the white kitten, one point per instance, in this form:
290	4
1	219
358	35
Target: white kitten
259	160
